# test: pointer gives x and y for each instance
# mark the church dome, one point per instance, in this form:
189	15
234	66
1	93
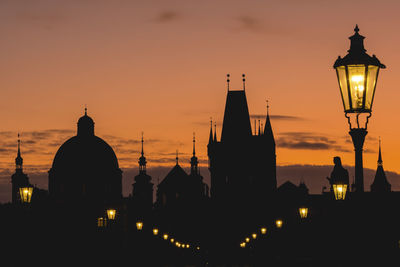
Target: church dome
85	166
85	153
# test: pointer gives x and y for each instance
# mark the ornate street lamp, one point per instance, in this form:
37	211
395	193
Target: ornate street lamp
357	75
25	194
172	240
279	223
155	231
263	230
303	211
247	239
243	244
139	225
165	236
254	235
111	214
339	189
101	222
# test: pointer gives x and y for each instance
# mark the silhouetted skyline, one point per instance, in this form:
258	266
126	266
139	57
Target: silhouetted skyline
139	67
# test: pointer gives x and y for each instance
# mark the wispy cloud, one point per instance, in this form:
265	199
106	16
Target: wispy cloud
167	16
308	141
276	117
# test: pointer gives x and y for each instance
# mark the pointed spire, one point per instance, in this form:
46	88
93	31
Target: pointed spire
194	144
268	128
255	126
228	81
193	161
177	159
18	159
215	131
259	127
85	110
244	81
380	162
142	160
210	139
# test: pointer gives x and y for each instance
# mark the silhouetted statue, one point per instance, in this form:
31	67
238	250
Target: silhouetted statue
339	173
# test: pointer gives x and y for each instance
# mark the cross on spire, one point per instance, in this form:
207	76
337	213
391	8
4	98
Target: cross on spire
227	80
244	81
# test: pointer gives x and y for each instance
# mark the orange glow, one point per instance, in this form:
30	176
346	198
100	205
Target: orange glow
147	75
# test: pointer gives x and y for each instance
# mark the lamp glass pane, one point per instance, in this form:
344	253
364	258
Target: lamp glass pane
357	85
340	191
371	85
342	78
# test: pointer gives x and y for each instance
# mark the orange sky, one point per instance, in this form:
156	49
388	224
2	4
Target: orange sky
160	66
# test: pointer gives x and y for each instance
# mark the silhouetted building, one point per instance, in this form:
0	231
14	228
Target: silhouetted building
85	168
142	192
19	178
380	184
242	164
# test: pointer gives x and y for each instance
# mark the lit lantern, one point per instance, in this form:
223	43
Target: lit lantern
279	223
303	211
247	239
339	189
178	244
187	246
101	222
111	214
198	248
243	244
155	231
357	74
25	194
263	230
254	235
165	236
139	225
172	240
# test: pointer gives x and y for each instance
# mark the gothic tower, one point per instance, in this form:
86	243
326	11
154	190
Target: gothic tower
19	178
142	192
380	184
242	165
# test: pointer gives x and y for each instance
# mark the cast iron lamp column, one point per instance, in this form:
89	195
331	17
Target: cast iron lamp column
357	74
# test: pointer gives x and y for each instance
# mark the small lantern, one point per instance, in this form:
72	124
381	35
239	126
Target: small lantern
198	248
101	222
178	244
357	74
243	244
263	230
247	239
254	235
111	214
187	246
165	236
155	231
172	240
279	223
25	193
303	211
339	189
139	225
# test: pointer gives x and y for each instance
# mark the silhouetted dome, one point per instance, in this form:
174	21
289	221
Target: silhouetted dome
85	154
85	166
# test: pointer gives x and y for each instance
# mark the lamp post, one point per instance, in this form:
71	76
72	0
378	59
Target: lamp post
357	74
303	211
25	194
111	214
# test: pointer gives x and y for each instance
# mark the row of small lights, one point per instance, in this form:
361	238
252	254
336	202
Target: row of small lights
303	211
111	213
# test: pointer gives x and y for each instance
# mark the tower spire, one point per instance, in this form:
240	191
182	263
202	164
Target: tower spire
142	160
176	158
193	161
18	159
259	127
244	81
85	110
228	81
380	162
210	140
215	131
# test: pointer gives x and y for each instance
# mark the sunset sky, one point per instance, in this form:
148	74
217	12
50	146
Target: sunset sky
160	67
